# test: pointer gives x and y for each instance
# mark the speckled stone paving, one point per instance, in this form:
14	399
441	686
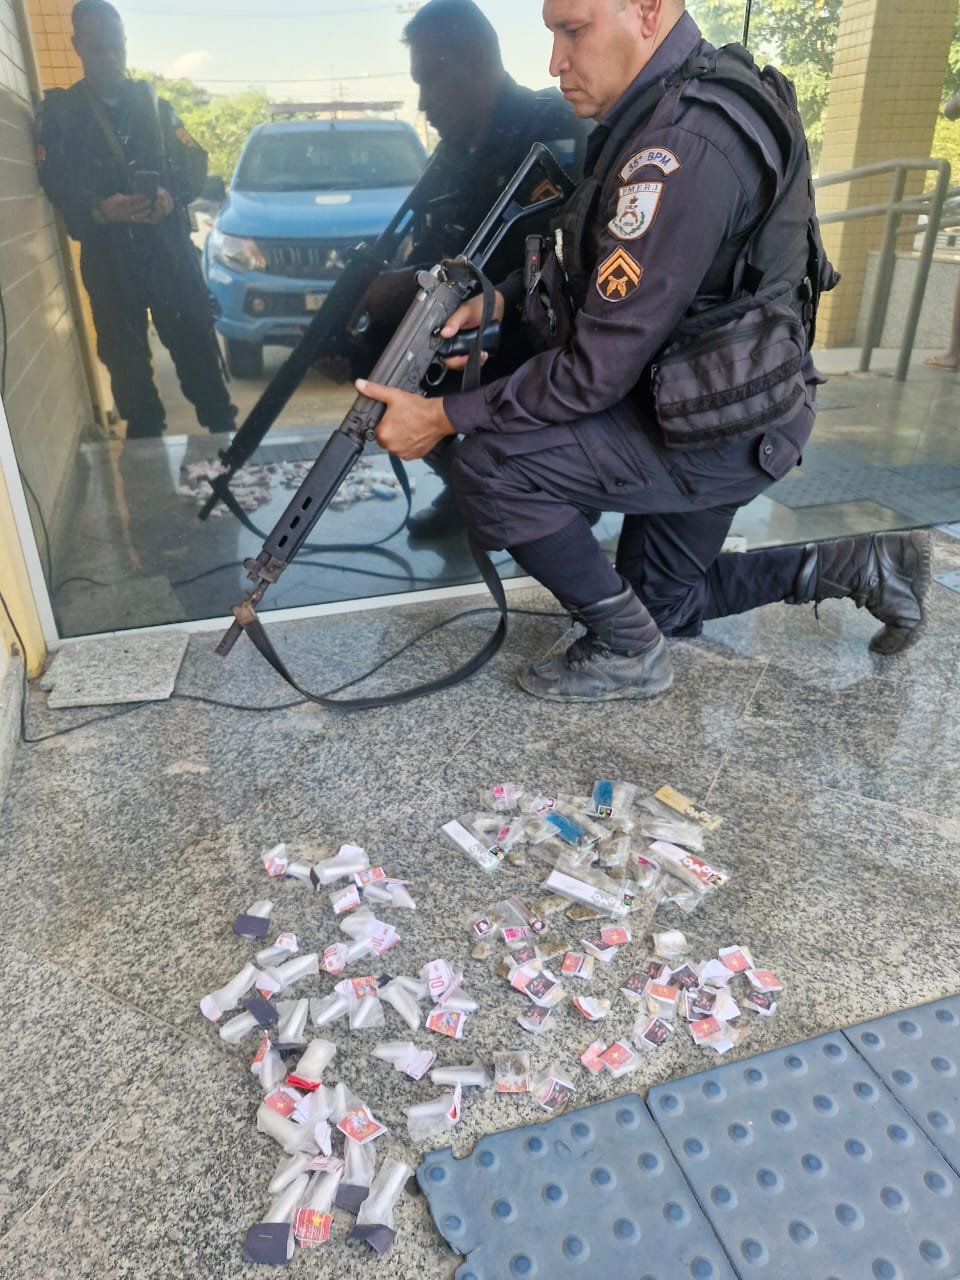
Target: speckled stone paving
801	1160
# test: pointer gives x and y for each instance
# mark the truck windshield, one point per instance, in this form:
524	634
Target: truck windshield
329	160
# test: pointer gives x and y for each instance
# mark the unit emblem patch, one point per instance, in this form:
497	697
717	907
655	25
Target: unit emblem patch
636	207
618	276
658	157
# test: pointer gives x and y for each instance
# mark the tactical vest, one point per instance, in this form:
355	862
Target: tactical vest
735	368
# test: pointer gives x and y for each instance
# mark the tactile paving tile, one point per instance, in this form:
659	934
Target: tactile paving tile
917	1054
810	1170
594	1192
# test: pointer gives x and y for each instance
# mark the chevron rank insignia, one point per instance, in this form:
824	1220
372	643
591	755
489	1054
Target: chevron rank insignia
618	276
636	206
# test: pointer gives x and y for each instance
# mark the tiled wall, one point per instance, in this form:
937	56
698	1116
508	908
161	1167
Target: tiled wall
888	72
46	400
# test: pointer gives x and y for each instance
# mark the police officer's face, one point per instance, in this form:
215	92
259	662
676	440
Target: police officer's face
445	89
599	46
102	48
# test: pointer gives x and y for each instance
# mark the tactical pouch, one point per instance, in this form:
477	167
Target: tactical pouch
546	311
737	378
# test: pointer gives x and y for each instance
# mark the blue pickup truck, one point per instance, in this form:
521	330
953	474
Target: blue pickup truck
303	194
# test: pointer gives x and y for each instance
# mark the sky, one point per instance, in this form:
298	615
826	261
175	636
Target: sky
310	49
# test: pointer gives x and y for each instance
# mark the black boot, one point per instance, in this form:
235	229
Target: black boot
887	573
623	655
440	520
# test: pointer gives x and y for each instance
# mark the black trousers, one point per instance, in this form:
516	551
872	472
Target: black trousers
154	271
517	488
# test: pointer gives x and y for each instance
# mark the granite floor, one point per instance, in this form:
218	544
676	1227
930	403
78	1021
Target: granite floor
129	846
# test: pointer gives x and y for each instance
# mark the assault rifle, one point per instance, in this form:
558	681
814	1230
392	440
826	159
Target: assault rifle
538	186
324	335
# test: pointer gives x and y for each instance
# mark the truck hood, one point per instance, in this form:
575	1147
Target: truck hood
307	215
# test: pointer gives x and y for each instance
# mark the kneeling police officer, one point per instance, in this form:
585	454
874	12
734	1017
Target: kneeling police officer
675	306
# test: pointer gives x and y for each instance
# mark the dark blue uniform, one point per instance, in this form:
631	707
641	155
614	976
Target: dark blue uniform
572	428
89	149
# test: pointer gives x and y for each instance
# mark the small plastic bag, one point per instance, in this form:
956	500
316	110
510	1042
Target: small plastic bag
460	835
328	1009
289	1168
313	1218
395	994
227	997
553	1090
511	1072
295	970
366	1014
502	797
308	1073
427	1119
609	799
290	1030
292	1137
475	1076
233	1032
350	859
375	1216
360	1160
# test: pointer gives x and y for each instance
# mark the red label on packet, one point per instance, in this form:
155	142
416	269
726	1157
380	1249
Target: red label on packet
615	936
364	987
591	1057
735	959
282	1101
763	980
368	876
667	995
515	933
262	1051
311	1227
361	1126
705	1029
617	1056
446	1022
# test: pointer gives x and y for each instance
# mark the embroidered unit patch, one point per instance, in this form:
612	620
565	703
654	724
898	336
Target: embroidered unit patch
658	157
636	207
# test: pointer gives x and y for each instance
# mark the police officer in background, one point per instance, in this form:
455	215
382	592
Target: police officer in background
678	386
487	124
120	167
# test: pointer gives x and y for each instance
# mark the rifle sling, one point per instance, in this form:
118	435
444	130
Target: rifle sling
257	633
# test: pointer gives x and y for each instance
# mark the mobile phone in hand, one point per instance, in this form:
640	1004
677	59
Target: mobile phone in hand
145	183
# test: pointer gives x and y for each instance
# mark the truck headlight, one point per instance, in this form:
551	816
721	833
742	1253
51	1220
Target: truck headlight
238	252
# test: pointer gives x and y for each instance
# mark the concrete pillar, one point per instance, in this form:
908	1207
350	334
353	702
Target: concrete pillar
885	90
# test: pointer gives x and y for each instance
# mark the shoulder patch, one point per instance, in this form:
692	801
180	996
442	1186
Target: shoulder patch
618	276
658	157
636	209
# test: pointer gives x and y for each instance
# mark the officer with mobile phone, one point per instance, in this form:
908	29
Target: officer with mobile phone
121	169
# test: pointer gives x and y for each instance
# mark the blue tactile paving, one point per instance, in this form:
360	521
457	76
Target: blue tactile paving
810	1170
917	1055
594	1192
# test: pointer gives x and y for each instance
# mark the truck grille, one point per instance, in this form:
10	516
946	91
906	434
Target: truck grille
306	259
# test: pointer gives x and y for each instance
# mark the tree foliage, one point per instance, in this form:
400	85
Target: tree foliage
796	35
219	123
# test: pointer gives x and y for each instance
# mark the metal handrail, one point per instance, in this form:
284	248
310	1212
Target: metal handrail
929	203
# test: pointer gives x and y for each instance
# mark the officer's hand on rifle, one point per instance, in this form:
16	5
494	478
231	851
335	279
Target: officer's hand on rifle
412	425
121	208
162	205
469	316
